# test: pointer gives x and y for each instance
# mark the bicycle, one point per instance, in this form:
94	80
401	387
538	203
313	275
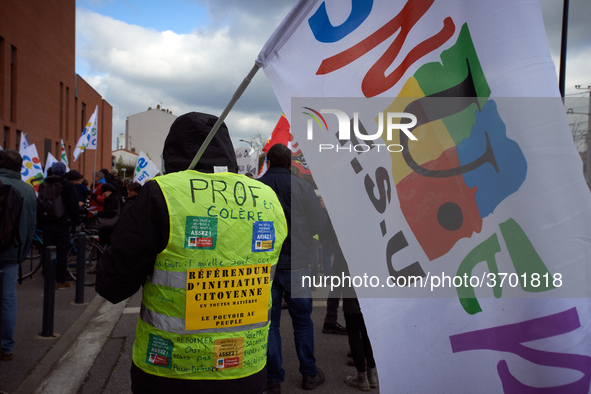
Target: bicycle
93	251
33	259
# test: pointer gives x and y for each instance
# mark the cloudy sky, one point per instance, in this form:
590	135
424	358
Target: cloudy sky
191	55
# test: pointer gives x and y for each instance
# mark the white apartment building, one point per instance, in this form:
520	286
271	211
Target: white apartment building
147	131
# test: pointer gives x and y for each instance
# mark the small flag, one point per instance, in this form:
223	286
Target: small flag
144	169
87	140
280	134
64	156
24	143
31	170
48	163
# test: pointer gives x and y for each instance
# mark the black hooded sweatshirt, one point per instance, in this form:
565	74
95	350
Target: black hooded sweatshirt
143	230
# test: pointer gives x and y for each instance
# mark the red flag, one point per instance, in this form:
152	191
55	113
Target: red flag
280	135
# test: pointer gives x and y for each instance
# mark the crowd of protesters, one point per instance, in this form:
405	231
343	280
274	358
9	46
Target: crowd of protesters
191	216
180	217
60	204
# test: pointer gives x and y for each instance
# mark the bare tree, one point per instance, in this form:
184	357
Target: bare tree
258	143
258	140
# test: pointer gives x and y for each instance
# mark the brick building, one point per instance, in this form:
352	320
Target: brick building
40	93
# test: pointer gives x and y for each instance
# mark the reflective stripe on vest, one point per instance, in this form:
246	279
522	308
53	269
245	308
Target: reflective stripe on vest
206	308
179	279
177	325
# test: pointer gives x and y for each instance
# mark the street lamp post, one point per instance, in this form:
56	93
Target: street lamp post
588	152
124	169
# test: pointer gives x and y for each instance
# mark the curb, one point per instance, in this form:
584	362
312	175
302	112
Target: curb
64	343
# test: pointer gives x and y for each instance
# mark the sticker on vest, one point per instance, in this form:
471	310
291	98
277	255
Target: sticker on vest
218	169
159	352
263	237
228	353
227	296
200	232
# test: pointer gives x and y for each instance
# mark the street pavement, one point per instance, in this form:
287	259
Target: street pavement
91	346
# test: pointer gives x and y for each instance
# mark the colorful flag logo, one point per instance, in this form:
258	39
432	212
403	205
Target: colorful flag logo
88	138
476	166
64	156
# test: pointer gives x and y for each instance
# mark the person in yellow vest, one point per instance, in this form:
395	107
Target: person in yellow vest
204	245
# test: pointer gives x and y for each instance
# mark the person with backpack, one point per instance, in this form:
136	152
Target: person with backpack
17	211
57	210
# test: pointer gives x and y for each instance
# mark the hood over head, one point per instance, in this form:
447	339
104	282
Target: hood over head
187	134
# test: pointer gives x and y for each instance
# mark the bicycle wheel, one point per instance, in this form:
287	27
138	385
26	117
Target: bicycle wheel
33	260
93	252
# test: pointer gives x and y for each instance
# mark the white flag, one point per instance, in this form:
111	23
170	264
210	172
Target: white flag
24	143
492	192
48	163
144	169
31	170
88	138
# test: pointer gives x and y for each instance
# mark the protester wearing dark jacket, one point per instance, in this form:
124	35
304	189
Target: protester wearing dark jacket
133	189
108	217
113	179
56	232
146	231
297	196
305	218
10	167
76	177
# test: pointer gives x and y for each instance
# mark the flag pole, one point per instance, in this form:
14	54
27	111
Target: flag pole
94	168
224	114
95	149
563	41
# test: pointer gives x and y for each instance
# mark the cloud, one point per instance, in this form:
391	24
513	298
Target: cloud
134	68
578	43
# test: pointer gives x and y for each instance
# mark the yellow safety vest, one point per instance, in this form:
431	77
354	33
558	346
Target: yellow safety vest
206	308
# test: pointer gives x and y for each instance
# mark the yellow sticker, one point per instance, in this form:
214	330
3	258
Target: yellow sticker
227	296
228	353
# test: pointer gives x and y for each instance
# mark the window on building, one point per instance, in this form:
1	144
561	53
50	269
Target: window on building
17	140
13	82
2	50
6	137
67	131
61	113
47	148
